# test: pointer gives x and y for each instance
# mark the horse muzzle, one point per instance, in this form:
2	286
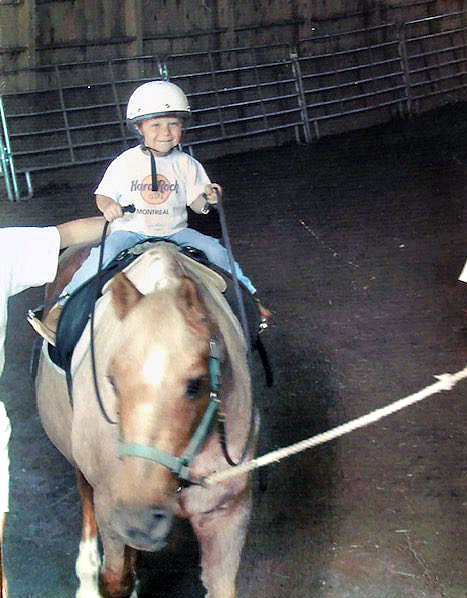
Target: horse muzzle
142	527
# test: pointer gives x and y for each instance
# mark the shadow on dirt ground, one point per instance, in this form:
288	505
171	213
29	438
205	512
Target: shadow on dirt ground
355	243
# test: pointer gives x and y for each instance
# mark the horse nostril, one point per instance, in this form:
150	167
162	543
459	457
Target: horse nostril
161	521
133	533
158	516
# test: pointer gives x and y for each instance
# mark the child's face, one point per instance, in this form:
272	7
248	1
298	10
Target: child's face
162	133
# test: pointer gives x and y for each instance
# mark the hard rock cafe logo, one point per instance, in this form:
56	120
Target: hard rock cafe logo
164	189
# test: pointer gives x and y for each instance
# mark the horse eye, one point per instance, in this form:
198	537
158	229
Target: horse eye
192	388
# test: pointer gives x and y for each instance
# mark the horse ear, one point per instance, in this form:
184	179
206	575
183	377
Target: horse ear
191	306
124	295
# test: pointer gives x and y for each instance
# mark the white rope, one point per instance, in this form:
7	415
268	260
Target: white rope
445	382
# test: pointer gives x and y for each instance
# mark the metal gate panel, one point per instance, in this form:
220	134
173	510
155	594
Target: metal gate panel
436	57
352	73
74	113
7	165
237	94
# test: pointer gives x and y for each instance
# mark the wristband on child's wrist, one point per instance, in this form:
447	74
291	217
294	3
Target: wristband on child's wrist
207	206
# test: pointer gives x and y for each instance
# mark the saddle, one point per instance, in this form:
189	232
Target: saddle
77	309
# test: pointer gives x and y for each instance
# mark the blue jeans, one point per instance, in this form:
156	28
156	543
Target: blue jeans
121	239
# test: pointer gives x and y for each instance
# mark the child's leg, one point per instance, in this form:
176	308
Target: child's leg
215	252
115	242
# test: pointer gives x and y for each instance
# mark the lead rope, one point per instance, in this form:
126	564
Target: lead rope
445	382
246	332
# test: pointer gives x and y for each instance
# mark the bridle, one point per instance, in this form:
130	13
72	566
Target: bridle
180	466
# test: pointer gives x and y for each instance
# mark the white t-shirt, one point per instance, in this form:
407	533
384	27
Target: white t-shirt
29	258
127	180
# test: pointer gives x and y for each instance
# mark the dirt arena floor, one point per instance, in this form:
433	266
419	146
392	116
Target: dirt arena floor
355	243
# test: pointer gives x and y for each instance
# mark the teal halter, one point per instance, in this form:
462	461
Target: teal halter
180	466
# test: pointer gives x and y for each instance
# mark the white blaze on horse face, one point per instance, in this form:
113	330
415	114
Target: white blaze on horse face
154	366
87	569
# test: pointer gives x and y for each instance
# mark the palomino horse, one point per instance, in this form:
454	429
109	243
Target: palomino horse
153	349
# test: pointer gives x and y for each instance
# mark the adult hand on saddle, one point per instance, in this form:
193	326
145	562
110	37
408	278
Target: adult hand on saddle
112	211
212	192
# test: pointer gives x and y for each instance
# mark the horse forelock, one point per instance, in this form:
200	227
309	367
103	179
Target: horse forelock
162	338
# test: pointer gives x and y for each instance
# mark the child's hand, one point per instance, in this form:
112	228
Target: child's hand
212	192
112	211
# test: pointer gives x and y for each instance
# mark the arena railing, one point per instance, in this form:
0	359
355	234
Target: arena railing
72	114
7	165
396	68
350	73
238	94
437	59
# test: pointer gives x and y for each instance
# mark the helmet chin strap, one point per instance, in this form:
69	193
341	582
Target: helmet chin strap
154	186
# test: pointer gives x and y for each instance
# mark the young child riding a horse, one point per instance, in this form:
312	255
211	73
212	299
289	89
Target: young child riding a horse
160	180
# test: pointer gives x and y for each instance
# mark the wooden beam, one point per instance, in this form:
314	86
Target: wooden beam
134	26
27	29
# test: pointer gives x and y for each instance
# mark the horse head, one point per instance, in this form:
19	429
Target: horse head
159	374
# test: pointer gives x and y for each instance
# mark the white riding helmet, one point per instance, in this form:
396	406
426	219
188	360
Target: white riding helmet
157	98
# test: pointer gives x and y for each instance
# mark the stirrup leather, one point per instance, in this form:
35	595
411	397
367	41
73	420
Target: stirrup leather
47	328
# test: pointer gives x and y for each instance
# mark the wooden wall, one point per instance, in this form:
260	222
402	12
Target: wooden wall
39	32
